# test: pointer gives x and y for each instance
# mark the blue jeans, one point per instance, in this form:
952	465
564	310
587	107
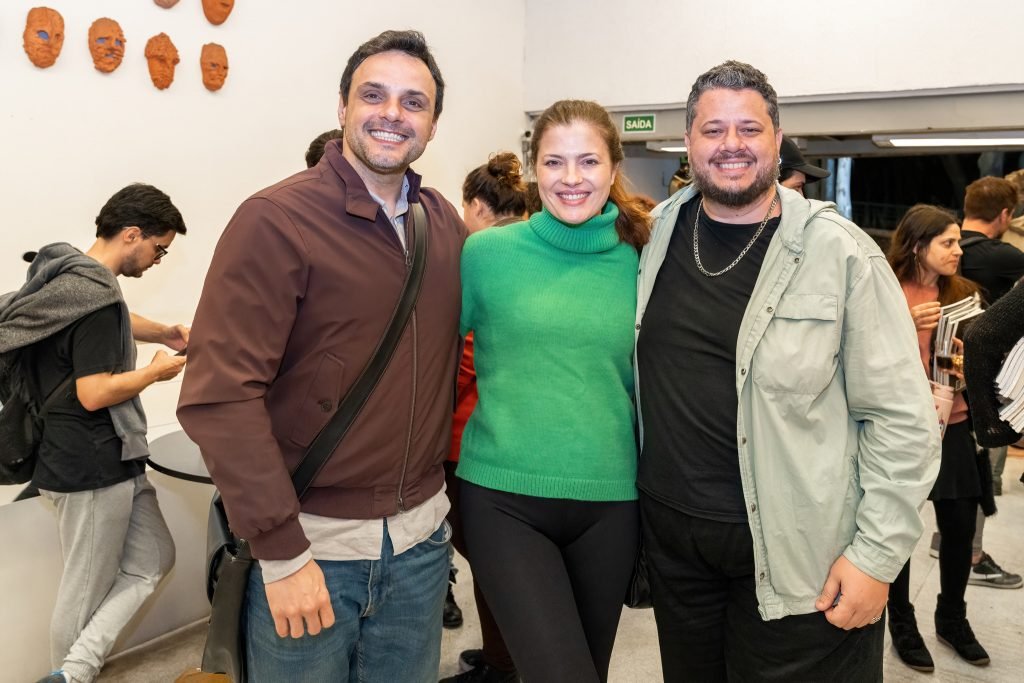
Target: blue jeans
387	621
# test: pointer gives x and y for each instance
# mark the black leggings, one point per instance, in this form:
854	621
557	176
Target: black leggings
955	518
554	572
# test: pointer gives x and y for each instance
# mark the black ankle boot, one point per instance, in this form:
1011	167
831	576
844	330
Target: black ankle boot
907	639
952	629
452	615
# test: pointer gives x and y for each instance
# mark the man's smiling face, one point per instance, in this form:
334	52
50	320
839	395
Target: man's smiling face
389	116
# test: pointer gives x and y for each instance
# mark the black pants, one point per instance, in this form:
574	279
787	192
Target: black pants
495	652
555	573
956	519
709	629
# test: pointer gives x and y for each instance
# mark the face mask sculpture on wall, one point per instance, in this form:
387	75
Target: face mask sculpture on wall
161	57
217	11
106	43
44	36
214	62
166	4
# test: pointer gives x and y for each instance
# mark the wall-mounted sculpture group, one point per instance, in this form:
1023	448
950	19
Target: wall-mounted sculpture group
44	38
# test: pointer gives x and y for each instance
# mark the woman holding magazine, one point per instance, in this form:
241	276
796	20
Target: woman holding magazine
925	255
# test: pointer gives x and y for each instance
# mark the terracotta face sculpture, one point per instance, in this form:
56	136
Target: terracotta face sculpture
106	43
217	11
44	36
214	62
166	4
161	56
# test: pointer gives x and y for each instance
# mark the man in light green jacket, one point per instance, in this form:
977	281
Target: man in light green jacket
789	435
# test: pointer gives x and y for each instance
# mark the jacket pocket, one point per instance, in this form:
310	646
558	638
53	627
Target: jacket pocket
799	351
320	402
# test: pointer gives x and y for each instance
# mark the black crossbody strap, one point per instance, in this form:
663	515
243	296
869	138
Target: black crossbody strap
330	437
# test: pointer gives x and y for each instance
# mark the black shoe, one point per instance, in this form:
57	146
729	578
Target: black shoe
452	617
470	659
907	639
952	629
988	573
483	674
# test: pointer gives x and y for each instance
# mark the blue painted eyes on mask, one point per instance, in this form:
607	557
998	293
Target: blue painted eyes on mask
101	41
43	35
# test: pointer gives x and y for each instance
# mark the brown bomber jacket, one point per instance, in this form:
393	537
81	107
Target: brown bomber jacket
299	292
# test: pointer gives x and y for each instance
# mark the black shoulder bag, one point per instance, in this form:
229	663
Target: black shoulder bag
229	558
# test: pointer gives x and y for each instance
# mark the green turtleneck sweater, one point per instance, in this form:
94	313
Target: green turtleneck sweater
552	309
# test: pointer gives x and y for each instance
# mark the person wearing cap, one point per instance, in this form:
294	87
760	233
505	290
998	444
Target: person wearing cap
794	171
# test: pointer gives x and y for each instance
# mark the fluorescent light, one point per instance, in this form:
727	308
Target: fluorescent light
672	146
1008	138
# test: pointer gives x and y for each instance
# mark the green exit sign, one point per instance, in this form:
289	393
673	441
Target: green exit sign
638	123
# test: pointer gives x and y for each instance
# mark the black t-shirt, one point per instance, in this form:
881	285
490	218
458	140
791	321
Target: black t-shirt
80	451
687	361
993	264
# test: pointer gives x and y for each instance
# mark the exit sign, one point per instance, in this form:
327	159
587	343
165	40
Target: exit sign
638	123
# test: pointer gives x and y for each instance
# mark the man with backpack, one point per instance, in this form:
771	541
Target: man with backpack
67	342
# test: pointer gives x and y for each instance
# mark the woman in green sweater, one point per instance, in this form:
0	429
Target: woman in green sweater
548	464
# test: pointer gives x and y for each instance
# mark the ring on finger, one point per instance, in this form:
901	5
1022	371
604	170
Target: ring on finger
876	619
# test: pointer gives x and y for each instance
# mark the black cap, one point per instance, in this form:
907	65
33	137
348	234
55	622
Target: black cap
791	157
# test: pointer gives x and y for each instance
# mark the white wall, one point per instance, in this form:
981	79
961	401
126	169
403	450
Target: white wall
643	53
71	136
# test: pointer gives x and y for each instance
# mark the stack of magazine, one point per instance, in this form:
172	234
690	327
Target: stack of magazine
1010	386
951	317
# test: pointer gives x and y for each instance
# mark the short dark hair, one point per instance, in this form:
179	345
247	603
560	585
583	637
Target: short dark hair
732	75
411	43
316	147
987	197
141	206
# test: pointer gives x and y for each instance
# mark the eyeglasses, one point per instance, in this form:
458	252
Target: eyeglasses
160	251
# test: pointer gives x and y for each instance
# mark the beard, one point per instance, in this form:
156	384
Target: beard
739	197
132	267
383	163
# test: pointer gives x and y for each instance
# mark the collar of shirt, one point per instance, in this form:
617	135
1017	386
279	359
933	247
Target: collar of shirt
401	208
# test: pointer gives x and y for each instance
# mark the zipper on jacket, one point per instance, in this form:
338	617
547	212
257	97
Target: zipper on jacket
412	414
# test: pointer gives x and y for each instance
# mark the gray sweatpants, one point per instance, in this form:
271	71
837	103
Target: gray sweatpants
116	548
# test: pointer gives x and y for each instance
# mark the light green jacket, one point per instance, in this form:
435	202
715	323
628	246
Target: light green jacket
837	433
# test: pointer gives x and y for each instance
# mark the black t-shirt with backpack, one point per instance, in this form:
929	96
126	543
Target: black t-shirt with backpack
80	450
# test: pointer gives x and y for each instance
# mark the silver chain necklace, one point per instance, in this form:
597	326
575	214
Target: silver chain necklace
696	253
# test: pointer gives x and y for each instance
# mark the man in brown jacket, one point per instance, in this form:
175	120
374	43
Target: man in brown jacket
300	290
